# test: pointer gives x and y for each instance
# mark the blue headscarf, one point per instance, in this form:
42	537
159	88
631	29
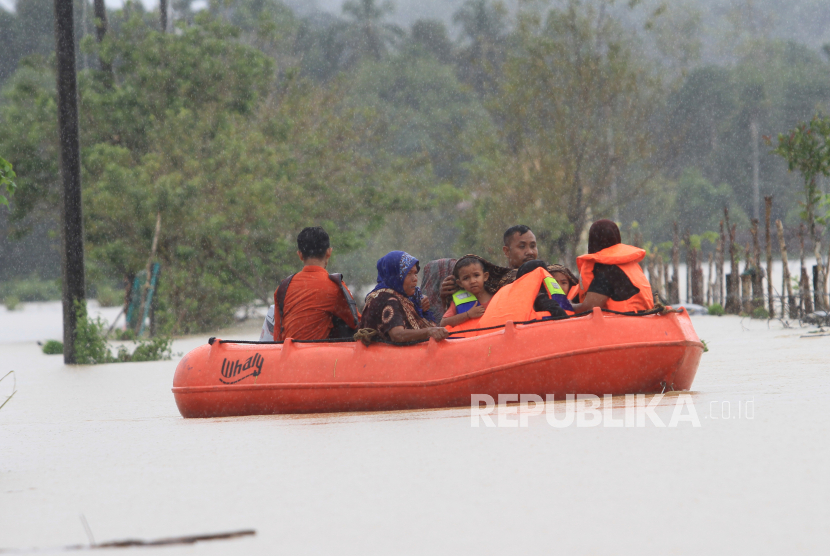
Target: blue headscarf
392	270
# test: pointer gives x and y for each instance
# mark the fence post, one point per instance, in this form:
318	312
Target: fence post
767	216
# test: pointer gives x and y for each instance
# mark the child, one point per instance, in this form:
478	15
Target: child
470	301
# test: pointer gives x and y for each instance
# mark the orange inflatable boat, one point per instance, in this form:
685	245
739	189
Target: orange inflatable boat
598	353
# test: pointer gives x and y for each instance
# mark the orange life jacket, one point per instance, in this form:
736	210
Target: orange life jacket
626	257
514	302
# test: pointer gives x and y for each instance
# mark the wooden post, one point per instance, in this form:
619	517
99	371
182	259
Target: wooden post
664	278
163	15
758	273
674	295
767	217
710	287
733	296
746	293
719	273
144	291
72	224
689	266
652	277
787	287
804	283
100	11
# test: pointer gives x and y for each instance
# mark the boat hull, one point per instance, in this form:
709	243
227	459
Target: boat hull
595	354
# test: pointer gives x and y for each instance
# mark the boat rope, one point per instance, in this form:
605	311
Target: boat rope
371	336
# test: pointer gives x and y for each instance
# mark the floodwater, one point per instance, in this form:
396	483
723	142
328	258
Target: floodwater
108	442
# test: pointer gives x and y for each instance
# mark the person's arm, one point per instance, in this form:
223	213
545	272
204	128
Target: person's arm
448	287
454	320
401	335
592	299
341	309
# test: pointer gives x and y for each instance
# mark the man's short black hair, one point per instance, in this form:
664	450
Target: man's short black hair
313	242
521	229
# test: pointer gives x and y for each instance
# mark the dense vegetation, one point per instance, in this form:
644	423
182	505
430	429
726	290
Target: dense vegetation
252	120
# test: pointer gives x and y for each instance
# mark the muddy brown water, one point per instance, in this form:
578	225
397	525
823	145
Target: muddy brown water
108	442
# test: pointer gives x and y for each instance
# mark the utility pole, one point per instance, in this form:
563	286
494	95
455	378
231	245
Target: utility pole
101	31
72	225
163	15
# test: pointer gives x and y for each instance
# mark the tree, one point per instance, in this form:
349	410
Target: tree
484	31
550	167
367	35
235	158
806	149
430	35
7	185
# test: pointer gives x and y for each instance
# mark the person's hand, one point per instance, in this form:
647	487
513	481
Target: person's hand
425	304
448	287
438	332
476	312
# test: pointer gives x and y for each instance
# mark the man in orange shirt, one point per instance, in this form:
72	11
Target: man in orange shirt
313	304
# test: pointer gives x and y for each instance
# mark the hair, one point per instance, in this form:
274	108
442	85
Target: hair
602	235
521	229
529	266
465	262
313	242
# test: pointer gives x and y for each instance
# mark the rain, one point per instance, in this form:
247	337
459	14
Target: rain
171	171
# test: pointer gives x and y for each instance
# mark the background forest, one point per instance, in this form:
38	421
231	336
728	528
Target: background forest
430	127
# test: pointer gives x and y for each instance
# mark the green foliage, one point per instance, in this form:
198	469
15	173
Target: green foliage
91	347
11	302
568	81
7	185
806	148
31	289
53	347
156	349
199	128
107	296
90	342
760	313
716	309
695	203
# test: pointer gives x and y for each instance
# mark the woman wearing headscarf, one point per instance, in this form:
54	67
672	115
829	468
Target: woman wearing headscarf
396	308
610	273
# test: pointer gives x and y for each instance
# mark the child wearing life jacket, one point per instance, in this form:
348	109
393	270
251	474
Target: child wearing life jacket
551	297
471	300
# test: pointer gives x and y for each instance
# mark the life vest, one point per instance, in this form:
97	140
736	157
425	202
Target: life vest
464	301
626	257
556	293
514	302
340	329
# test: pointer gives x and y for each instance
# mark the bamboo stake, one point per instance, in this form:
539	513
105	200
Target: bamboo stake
689	266
152	256
746	281
758	273
804	287
719	256
675	261
767	216
821	280
787	287
651	275
710	283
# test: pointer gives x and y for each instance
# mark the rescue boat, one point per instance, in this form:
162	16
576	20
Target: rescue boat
598	353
